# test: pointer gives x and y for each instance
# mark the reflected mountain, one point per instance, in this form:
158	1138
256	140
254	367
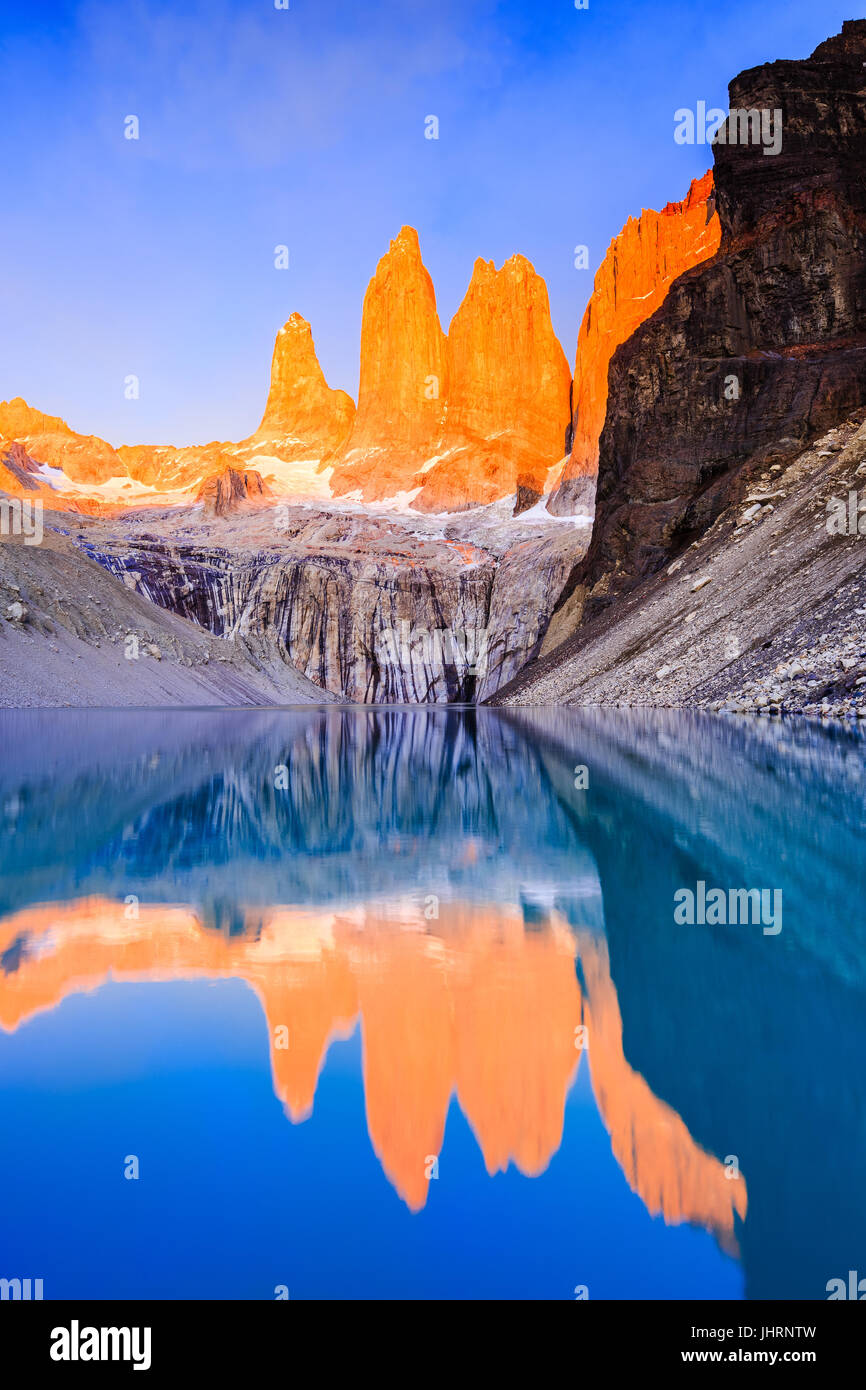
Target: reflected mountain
481	1009
323	807
435	879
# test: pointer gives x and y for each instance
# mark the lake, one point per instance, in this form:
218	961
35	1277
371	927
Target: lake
392	1002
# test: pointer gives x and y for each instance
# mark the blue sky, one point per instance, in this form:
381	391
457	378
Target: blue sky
305	127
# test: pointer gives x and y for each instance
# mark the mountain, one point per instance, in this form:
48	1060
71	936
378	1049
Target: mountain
448	423
461	420
403	383
303	416
509	393
736	414
760	349
89	462
632	281
303	419
83	458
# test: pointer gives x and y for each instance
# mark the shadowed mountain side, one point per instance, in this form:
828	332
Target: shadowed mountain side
761	348
86	638
762	611
760	1047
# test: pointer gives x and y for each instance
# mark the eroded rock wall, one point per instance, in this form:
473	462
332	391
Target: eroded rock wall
760	349
367	609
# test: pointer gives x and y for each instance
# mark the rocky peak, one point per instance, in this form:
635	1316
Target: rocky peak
507	370
509	392
455	420
48	439
303	414
402	383
820	163
639	268
18	418
232	490
458	421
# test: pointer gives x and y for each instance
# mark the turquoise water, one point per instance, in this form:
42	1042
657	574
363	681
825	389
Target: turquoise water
394	1003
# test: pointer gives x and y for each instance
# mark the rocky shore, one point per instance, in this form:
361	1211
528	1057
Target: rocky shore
765	612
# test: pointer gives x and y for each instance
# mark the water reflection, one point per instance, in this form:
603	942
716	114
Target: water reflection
481	1009
434	880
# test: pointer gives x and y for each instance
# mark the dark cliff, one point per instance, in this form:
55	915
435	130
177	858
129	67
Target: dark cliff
755	351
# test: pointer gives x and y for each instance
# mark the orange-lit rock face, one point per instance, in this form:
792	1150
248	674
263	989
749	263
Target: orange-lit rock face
403	386
482	1010
163	466
460	421
86	459
509	395
303	417
641	263
47	438
20	475
463	419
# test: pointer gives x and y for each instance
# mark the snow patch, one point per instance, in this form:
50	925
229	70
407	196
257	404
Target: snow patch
54	477
299	478
539	512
